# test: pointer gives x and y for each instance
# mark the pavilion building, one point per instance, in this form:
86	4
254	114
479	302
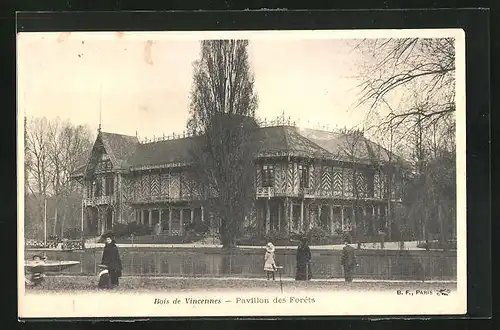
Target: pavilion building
305	178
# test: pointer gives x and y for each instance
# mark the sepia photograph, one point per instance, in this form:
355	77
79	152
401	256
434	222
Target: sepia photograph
263	173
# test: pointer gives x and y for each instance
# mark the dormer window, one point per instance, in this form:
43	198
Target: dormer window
268	176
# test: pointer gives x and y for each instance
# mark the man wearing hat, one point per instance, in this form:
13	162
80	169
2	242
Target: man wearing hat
304	272
348	260
111	259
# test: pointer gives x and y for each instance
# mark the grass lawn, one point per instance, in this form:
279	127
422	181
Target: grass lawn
148	284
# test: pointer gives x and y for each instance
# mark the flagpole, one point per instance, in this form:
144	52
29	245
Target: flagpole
45	224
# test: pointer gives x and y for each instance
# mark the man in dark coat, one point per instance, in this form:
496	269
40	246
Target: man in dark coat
348	260
111	259
304	272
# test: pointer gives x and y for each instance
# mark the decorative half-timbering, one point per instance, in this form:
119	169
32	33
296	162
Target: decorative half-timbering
326	180
348	182
280	178
361	185
164	183
175	185
155	184
302	179
337	182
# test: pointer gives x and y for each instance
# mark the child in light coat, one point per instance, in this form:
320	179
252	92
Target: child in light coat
270	261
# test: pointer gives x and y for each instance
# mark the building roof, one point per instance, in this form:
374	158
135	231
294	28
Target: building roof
119	147
127	152
285	140
174	151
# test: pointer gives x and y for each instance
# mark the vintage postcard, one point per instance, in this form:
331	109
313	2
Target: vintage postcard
264	173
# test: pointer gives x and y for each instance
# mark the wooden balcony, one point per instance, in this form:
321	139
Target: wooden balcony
99	200
265	192
164	198
311	193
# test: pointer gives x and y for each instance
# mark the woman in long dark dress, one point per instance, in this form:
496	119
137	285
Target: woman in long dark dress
304	272
111	259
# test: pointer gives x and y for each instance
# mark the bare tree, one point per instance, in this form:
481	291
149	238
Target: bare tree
52	151
222	110
396	71
408	87
68	144
39	168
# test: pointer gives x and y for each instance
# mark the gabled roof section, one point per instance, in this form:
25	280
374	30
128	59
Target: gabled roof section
119	147
163	152
285	140
349	147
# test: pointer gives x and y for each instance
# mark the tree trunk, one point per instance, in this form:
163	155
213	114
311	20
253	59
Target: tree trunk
54	229
442	234
63	220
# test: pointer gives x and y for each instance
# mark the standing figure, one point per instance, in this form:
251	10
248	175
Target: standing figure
111	259
304	272
348	260
104	278
270	261
37	271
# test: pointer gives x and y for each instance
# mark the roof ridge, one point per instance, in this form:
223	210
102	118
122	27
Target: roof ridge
119	134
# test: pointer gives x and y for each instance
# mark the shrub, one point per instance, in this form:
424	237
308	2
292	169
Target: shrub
139	229
318	235
132	228
120	230
276	236
73	233
196	227
251	231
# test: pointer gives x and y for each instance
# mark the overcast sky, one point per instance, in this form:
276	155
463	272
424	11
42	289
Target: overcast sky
146	80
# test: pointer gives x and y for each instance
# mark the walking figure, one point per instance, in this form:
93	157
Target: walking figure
111	259
304	272
348	260
270	261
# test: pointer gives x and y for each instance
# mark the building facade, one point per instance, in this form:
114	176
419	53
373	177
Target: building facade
305	178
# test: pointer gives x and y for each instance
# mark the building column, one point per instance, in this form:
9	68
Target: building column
286	215
181	222
170	221
150	220
268	217
378	219
202	214
319	216
342	216
301	225
290	217
331	218
279	216
365	225
374	221
192	215
160	211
